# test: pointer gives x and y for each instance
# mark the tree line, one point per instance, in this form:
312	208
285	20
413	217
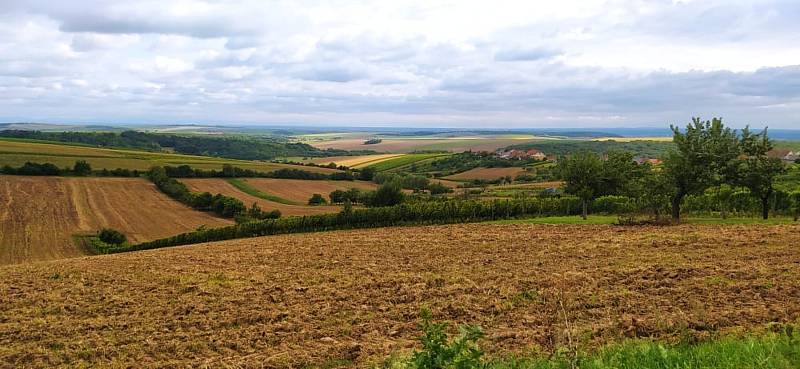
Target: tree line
221	205
706	155
245	148
80	168
231	171
444	211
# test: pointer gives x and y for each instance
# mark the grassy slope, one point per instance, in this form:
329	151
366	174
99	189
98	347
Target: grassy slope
246	188
611	219
768	351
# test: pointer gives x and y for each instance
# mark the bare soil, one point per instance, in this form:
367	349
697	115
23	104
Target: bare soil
354	296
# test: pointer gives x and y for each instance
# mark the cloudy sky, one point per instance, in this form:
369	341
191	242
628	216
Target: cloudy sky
579	63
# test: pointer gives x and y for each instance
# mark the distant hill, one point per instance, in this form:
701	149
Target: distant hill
245	148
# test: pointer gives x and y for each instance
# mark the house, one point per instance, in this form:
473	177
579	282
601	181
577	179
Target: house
521	154
642	160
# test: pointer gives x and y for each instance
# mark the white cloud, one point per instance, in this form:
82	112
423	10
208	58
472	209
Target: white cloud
446	62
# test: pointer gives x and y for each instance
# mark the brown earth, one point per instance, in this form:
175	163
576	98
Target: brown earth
300	190
216	185
311	299
486	173
401	145
39	215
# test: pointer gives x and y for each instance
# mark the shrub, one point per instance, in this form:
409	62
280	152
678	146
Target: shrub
112	236
82	168
439	353
317	199
388	194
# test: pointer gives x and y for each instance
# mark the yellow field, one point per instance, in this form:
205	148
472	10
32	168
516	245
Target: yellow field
16	153
355	161
40	215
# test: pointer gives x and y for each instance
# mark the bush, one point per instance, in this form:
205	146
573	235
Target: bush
438	189
439	353
613	204
388	194
112	236
82	168
317	199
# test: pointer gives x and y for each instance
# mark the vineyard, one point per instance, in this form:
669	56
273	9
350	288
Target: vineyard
40	215
356	301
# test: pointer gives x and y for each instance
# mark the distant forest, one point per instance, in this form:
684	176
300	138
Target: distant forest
225	147
651	149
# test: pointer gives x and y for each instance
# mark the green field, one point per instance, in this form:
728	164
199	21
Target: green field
246	188
15	153
403	161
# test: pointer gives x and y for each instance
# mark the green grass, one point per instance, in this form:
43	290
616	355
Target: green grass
779	349
593	219
402	161
773	351
246	188
612	219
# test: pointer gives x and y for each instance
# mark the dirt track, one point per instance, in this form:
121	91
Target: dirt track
39	215
288	301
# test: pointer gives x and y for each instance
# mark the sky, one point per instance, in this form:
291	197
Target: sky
411	63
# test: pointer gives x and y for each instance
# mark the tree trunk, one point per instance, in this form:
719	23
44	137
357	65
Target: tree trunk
585	210
765	207
676	207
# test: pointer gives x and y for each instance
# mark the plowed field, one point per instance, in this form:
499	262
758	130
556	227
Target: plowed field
354	296
39	215
216	185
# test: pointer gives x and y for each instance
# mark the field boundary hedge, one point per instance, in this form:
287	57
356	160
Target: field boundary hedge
424	213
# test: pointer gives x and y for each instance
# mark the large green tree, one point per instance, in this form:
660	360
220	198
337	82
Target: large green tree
583	176
756	170
703	156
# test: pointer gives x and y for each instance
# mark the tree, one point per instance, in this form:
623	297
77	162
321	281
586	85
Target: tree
388	194
654	191
620	173
702	158
795	199
756	170
317	199
82	168
112	236
582	173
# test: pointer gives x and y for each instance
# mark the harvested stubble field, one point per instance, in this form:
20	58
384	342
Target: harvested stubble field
39	215
15	153
217	185
355	161
354	296
486	173
301	190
